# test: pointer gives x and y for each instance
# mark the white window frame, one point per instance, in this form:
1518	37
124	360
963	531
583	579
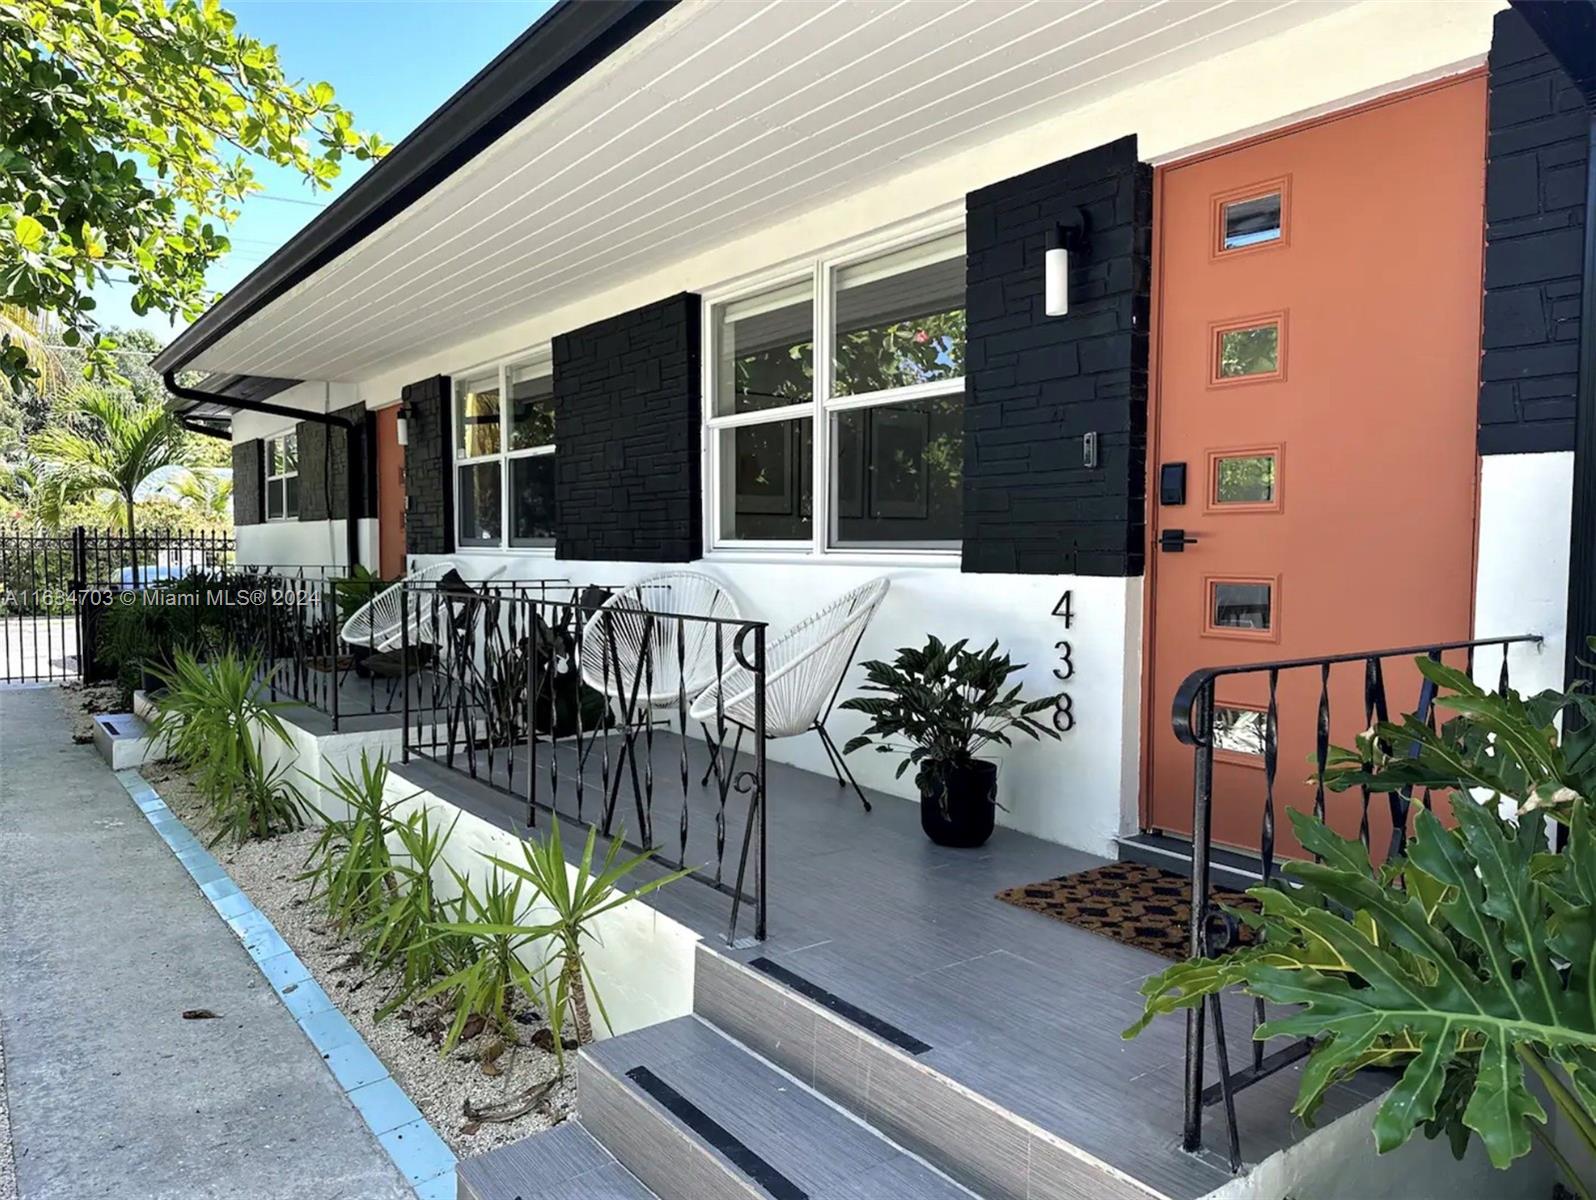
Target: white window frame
540	361
820	271
266	499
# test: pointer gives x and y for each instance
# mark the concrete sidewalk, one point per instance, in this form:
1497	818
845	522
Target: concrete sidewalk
104	942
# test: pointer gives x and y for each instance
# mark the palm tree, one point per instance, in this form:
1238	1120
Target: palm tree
209	491
113	447
37	334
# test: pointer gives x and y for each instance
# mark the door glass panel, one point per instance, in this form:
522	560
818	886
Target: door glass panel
1252	222
1254	350
1241	606
1238	730
1245	479
767	474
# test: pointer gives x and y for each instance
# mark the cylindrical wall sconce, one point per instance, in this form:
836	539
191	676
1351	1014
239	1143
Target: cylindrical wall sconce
401	427
1066	238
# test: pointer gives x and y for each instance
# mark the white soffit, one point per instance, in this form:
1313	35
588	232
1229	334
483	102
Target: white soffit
719	119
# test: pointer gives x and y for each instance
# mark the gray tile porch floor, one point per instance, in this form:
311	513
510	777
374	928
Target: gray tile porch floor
1021	1008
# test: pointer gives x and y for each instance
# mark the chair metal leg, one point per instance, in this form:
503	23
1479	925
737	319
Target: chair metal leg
839	765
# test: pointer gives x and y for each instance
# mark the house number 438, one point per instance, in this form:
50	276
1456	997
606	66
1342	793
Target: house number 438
1064	705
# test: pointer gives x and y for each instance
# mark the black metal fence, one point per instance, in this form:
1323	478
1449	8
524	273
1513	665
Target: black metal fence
580	704
1252	729
44	576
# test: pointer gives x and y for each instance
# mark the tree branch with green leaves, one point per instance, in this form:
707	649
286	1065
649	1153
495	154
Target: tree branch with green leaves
127	130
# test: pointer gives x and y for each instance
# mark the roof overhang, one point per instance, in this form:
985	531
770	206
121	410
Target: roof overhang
555	51
691	128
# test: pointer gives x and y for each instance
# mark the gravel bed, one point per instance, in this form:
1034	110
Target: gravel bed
408	1042
84	700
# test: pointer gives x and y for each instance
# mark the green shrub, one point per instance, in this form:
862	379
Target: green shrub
490	924
350	868
576	902
215	723
404	936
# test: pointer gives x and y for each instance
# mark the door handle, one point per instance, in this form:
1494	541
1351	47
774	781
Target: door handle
1175	541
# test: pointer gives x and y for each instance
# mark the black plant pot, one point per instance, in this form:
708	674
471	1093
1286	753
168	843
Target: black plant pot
958	802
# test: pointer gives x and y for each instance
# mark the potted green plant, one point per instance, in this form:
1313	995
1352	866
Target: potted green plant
939	707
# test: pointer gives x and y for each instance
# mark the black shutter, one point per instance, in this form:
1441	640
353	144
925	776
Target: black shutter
249	482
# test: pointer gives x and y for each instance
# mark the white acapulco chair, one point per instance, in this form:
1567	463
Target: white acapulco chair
379	624
803	673
680	654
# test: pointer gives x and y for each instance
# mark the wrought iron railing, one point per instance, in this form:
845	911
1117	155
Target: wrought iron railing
1195	726
580	708
299	615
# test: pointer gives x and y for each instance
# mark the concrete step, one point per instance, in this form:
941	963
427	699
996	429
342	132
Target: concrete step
124	740
563	1163
877	1072
696	1116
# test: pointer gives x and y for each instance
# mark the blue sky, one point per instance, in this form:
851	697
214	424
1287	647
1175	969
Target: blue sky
391	63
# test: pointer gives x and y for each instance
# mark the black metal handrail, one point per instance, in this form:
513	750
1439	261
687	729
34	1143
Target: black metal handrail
1193	720
555	701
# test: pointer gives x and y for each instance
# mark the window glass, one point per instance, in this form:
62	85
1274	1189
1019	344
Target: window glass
765	352
476	416
532	500
1245	479
531	407
897	470
900	319
1239	730
1241	606
282	482
481	506
1251	351
1252	222
766	481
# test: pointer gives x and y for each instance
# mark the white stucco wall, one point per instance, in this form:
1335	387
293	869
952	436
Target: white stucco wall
1339	1162
1521	582
299	543
1079	790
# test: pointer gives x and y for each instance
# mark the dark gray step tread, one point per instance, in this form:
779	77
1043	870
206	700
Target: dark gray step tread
563	1163
825	1153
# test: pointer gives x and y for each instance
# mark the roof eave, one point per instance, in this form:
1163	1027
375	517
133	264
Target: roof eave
555	51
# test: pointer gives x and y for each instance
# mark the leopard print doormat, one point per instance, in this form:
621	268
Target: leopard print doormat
1139	905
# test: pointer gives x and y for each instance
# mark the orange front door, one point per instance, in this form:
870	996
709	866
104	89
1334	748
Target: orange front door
1318	340
390	495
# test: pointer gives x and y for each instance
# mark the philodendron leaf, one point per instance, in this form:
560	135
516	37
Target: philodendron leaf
1502	1106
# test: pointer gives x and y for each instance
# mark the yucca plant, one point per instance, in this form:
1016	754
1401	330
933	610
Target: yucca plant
492	925
403	936
577	898
350	867
214	722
